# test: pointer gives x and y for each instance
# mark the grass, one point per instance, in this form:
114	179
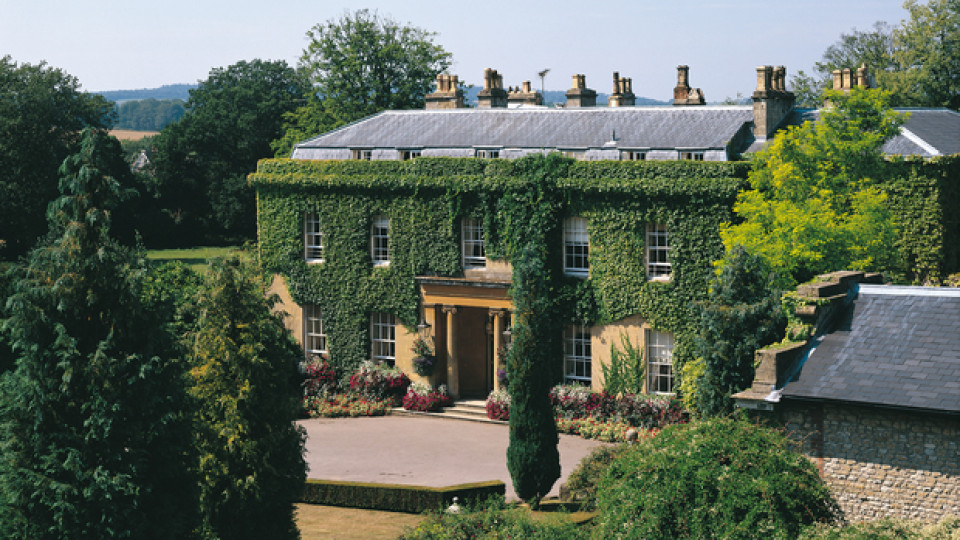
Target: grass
195	258
131	134
317	521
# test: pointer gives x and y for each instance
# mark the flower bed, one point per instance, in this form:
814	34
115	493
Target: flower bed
345	405
378	381
498	405
422	397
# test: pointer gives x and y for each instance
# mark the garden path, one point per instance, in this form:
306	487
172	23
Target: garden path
420	451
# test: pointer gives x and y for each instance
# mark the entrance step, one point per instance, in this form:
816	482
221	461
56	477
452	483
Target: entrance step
466	410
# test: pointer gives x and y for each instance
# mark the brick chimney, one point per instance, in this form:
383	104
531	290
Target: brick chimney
846	79
682	93
493	95
622	95
771	101
579	95
524	95
448	94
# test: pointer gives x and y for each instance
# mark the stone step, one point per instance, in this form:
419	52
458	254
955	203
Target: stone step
467	410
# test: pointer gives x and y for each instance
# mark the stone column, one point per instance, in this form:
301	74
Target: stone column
497	344
453	370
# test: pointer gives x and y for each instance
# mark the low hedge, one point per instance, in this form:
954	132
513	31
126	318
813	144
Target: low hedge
396	497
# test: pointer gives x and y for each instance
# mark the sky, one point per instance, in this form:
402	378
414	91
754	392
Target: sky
121	45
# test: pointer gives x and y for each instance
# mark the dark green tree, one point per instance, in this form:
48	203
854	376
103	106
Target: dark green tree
93	431
202	161
42	111
532	216
246	382
741	314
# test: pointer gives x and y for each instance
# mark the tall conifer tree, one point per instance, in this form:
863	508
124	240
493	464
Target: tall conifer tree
92	435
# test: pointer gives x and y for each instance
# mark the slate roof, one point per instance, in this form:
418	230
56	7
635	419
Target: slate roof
703	127
893	347
927	132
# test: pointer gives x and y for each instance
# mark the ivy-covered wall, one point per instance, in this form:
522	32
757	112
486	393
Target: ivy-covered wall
426	199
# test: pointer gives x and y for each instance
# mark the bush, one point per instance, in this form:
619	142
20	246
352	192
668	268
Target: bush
636	410
422	397
583	481
494	519
395	497
498	405
886	528
592	428
343	405
319	378
379	381
626	371
713	479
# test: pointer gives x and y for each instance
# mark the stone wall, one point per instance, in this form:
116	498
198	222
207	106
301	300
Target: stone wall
881	463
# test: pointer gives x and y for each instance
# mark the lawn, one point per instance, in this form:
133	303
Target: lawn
196	258
316	521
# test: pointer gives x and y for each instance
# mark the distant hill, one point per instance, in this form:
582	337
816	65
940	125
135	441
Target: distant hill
167	91
560	97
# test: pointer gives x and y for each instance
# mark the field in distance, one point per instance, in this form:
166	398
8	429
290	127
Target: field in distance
131	135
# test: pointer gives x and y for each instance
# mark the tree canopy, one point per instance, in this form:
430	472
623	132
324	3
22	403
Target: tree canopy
814	205
42	111
202	161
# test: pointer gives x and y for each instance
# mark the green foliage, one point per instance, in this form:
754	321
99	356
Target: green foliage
202	161
397	497
92	430
170	290
902	529
149	114
43	111
815	203
493	519
625	374
246	385
364	63
718	478
583	481
741	314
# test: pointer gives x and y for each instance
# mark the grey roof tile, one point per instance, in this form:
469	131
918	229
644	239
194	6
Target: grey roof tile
864	361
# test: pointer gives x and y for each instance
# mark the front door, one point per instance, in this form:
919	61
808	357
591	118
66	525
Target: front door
474	360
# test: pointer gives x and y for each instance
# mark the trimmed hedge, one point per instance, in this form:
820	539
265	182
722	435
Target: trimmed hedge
396	497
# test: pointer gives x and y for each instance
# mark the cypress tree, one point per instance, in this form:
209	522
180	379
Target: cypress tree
741	315
93	439
246	382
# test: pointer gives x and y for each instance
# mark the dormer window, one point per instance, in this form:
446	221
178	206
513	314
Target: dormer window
407	155
633	155
575	154
691	156
488	153
364	155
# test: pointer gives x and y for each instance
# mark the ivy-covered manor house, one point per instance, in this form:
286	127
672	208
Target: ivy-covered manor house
404	224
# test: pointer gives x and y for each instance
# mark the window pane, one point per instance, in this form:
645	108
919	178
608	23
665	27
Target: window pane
314	337
380	240
660	363
473	253
382	337
576	247
577	355
312	237
658	251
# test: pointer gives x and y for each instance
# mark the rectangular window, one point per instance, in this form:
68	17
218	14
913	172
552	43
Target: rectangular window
692	156
576	354
576	247
658	252
473	255
575	154
492	154
380	241
407	155
633	155
659	362
365	155
314	338
312	238
382	338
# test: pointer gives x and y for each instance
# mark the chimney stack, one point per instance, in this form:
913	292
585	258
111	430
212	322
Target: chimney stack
448	94
493	95
622	95
682	93
579	95
771	101
845	79
524	96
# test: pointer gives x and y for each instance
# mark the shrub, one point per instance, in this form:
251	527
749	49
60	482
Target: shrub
318	377
626	371
379	381
592	428
494	519
498	405
583	481
341	405
636	410
423	397
713	479
886	528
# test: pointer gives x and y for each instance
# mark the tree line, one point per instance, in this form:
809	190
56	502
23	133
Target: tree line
149	114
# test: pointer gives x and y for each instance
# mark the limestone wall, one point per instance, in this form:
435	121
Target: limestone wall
882	463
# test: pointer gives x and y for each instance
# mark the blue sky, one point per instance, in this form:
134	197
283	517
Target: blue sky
113	44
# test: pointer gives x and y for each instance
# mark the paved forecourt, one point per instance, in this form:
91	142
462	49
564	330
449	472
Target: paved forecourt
420	451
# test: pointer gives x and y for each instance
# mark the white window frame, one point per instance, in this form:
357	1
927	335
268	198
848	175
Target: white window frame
692	155
380	240
576	247
362	155
633	155
659	346
488	153
406	155
314	336
575	154
471	243
313	246
657	247
383	337
577	355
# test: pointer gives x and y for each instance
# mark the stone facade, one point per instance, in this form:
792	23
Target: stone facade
879	462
